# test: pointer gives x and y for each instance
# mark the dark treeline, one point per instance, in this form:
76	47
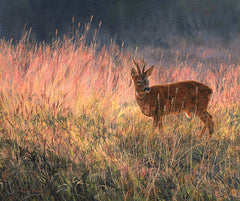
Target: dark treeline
136	22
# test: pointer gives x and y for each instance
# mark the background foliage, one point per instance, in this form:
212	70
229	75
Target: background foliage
143	22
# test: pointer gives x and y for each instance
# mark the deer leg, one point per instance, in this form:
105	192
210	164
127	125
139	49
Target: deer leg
208	123
155	124
158	123
203	131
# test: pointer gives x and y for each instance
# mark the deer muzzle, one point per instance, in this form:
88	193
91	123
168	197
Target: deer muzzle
147	89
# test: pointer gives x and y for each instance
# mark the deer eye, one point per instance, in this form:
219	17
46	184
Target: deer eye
139	82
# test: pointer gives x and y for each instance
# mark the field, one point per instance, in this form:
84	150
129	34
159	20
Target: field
70	128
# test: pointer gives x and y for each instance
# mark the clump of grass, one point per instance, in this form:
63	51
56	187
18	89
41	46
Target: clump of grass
71	130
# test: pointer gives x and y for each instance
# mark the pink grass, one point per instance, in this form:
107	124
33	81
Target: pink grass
70	73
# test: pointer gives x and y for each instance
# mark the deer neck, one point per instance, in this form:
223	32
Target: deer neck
140	96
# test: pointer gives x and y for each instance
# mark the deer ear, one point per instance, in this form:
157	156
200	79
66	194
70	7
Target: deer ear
149	71
133	73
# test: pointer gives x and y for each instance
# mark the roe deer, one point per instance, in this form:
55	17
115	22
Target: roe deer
171	98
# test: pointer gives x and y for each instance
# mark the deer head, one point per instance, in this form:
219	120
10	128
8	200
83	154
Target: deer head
140	77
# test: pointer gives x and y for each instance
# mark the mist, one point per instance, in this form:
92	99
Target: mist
141	23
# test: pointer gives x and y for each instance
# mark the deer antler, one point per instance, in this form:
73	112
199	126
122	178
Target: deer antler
144	64
136	64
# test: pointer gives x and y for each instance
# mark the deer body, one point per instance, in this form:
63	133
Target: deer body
171	98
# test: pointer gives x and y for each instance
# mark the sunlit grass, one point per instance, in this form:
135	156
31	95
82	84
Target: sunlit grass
70	128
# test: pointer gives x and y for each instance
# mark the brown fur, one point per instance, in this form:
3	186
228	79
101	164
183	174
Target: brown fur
171	98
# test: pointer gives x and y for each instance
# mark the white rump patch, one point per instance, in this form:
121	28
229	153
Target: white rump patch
188	115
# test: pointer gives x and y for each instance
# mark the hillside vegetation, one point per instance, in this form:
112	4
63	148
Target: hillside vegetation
70	128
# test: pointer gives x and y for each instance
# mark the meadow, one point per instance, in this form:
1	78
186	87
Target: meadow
70	128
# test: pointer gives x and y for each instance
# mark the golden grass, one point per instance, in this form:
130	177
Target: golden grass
69	124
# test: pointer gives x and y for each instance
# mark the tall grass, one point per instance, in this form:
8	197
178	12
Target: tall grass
70	128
